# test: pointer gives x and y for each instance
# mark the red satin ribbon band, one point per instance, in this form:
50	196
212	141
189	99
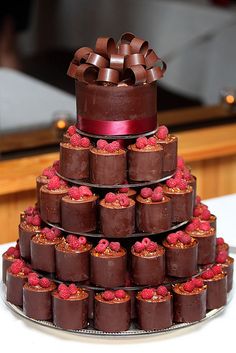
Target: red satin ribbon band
123	127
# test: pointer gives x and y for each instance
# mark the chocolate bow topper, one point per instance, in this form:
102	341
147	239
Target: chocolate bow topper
130	61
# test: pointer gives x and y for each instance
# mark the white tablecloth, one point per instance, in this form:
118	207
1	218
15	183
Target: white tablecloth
21	335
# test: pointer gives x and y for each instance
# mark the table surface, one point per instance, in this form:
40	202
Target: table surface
17	332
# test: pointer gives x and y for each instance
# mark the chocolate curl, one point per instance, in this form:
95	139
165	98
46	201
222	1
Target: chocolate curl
117	62
151	58
139	45
135	75
126	38
81	55
134	59
108	75
105	46
72	69
86	73
124	49
157	72
97	60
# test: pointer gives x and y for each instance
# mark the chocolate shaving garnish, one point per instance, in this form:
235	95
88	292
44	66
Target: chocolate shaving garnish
81	55
139	45
151	58
117	62
72	70
86	73
105	46
126	37
108	75
97	60
134	59
136	75
155	73
124	49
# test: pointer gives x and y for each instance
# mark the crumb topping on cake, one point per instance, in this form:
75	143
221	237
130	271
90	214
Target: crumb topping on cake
180	240
48	236
193	286
173	185
19	268
147	248
12	253
199	228
72	243
119	200
113	296
56	184
106	249
147	195
145	144
154	295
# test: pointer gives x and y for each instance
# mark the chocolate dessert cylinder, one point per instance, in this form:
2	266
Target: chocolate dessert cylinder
40	181
145	165
228	267
107	168
170	147
5	264
74	161
108	271
154	315
70	314
37	302
193	182
206	247
216	292
24	241
43	256
79	216
117	222
153	217
72	265
182	204
15	285
110	316
50	204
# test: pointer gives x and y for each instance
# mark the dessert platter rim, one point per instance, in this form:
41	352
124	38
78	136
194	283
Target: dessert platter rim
115	186
133	331
116	137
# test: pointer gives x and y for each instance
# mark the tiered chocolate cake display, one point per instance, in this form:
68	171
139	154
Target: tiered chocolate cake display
117	225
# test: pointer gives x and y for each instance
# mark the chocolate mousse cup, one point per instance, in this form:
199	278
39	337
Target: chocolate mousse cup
182	203
50	204
216	291
112	316
72	265
6	262
79	215
117	222
206	245
41	180
154	314
25	234
37	301
107	168
189	306
193	182
71	313
15	283
74	161
170	146
153	217
108	271
181	259
145	164
228	267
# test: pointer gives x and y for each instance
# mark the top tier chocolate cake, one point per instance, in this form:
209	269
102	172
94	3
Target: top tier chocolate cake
115	83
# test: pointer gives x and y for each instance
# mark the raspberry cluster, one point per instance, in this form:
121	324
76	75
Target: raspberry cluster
51	234
34	219
120	198
34	280
177	183
180	236
111	147
109	295
143	142
71	130
65	291
13	252
77	141
145	244
154	195
75	242
190	285
162	132
221	257
78	192
212	272
49	172
198	225
56	183
201	211
104	245
149	293
19	266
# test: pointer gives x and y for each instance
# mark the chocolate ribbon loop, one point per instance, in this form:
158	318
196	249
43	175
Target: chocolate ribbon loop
97	60
117	62
86	73
139	45
134	59
126	38
105	46
136	75
151	58
157	72
108	75
124	49
72	70
81	55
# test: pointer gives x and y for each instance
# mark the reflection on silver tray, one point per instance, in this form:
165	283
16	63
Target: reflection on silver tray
116	137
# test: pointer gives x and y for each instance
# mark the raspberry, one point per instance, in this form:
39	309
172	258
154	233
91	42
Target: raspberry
104	242
36	220
29	219
115	245
63	183
10	251
180	163
110	197
171	183
16	254
221	257
82	240
56	165
205	226
123	199
217	269
197	211
33	280
146	241
147	293
16	266
189	286
54	183
172	238
141	142
157	196
115	145
108	295
191	227
152	246
186	174
152	141
178	174
30	211
182	184
158	189
61	286
75	140
50	235
198	282
146	192
49	172
56	231
109	148
208	274
85	191
26	270
45	230
206	214
123	190
71	130
220	241
44	282
101	144
162	290
100	248
162	132
84	142
75	244
197	200
185	239
72	289
74	193
120	294
64	293
70	238
138	246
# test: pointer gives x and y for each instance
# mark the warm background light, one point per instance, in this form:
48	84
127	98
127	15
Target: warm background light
230	99
61	124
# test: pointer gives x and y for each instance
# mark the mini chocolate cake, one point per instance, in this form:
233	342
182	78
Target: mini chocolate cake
181	255
128	192
184	172
201	212
181	195
170	144
221	246
74	157
17	275
50	199
108	163
206	237
112	311
227	264
27	228
108	264
43	179
145	160
147	263
8	257
154	308
43	249
72	259
153	211
70	307
29	211
190	301
117	215
216	280
69	132
37	299
79	210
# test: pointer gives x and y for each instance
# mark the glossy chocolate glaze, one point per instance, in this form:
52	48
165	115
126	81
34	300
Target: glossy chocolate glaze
107	169
182	205
153	217
70	314
79	215
206	247
74	162
169	154
50	204
228	267
43	256
216	292
145	166
154	315
37	303
6	262
24	241
15	285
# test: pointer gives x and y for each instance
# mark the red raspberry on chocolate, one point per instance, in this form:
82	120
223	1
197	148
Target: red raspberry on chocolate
182	184
50	236
162	132
56	165
64	293
101	144
29	211
70	238
152	141
120	294
162	290
75	140
33	280
61	286
152	246
85	191
220	241
205	226
217	269
115	145
221	257
138	247
10	251
197	211
16	266
123	199
73	289
29	219
147	293
197	200
146	241
16	254
172	238
84	142
71	130
26	270
186	174
75	244
157	196
54	183
189	286
158	189
104	242
146	192
171	183
198	282
191	227
206	214
100	248
49	172
178	174
115	245
185	239
36	221
74	193
82	240
208	274
110	197
44	282
123	190
108	295
141	142
45	230
56	231
180	162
